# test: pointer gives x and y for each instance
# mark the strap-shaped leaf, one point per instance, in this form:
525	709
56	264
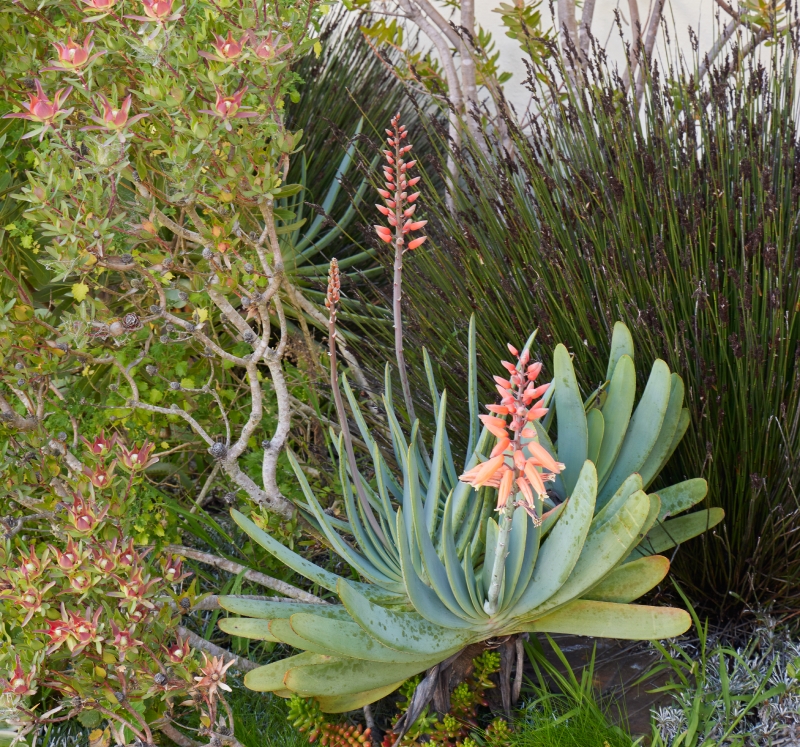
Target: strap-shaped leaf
663	446
643	430
492	533
533	538
283	631
609	620
517	542
426	601
354	701
270	677
596	424
306	568
630	581
386	484
652	516
681	496
265	609
625	491
434	568
338	677
363	428
348	639
573	432
399	443
606	545
367	540
330	197
403	631
480	506
455	573
683	425
363	565
449	464
673	532
247	627
562	548
621	344
617	411
312	572
432	499
475	592
462	490
550	520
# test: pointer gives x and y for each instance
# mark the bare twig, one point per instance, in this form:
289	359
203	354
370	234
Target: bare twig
255	576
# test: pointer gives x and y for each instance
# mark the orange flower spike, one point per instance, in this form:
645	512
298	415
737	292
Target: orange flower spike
395	175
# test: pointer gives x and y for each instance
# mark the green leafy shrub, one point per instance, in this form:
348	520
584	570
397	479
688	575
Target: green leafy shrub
681	223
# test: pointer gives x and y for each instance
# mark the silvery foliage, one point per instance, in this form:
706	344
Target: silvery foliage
770	663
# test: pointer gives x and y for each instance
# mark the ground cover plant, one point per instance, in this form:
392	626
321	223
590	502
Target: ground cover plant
681	223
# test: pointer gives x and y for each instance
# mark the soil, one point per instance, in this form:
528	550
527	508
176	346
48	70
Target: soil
617	666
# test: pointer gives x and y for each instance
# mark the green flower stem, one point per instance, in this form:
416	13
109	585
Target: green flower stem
493	595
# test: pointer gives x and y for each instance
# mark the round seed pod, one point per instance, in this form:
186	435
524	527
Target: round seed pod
218	451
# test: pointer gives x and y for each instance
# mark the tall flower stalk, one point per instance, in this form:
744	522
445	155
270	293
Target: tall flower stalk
515	462
398	210
332	303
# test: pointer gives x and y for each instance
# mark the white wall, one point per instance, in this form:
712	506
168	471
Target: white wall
680	14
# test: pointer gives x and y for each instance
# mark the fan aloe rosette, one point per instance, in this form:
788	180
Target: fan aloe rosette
442	573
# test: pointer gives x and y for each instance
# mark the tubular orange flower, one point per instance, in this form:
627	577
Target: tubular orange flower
506	482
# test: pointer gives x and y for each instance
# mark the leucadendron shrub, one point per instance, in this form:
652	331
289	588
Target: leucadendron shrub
682	223
159	159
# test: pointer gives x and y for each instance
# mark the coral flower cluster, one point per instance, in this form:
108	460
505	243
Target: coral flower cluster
399	206
515	463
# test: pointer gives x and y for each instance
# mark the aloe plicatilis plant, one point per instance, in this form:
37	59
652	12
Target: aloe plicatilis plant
439	573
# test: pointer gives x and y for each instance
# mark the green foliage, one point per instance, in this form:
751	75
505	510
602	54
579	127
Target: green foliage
257	715
523	21
562	709
308	719
428	547
681	223
455	727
